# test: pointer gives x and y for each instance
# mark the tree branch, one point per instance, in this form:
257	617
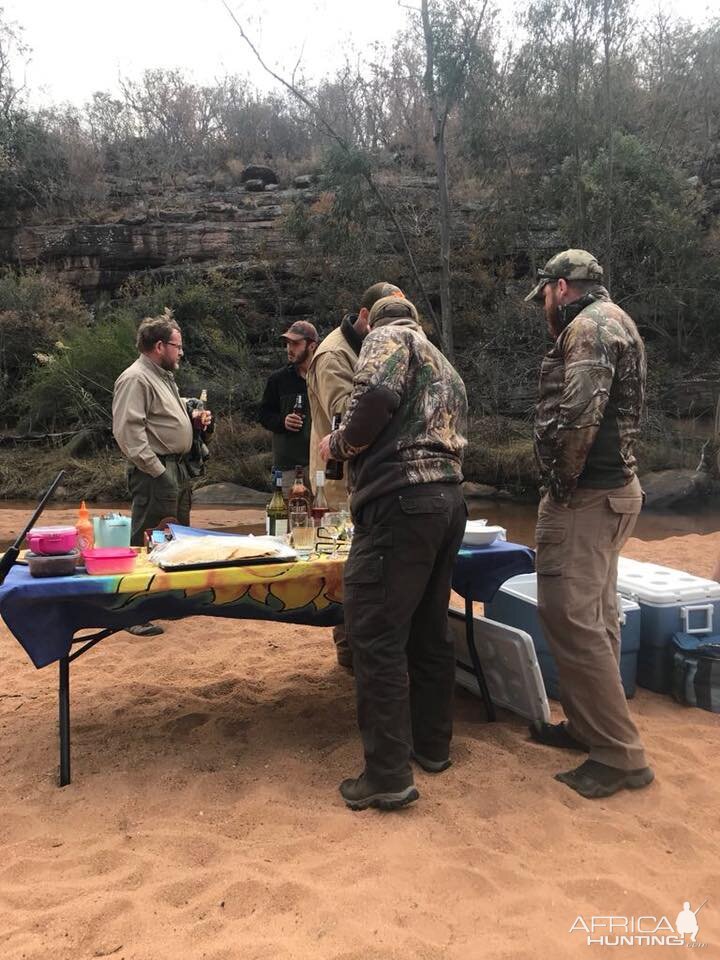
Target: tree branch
344	146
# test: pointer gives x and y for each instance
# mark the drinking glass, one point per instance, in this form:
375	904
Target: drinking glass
302	532
332	528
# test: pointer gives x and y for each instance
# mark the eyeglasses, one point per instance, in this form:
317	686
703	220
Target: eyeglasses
174	343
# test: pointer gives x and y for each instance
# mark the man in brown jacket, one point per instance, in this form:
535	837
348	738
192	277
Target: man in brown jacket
590	398
329	385
330	380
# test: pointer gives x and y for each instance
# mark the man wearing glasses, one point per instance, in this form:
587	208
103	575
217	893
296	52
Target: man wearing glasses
153	428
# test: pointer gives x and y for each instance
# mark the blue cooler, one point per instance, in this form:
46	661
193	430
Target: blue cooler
671	601
515	603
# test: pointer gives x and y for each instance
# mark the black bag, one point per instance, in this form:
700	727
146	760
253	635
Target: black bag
696	671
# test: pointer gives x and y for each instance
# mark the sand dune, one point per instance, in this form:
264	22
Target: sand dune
204	821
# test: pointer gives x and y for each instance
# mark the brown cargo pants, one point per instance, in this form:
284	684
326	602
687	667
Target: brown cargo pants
577	553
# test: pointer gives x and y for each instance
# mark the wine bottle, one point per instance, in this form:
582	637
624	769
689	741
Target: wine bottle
320	505
300	499
334	468
276	518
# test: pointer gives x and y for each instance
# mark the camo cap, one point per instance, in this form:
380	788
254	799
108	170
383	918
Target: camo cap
568	265
392	308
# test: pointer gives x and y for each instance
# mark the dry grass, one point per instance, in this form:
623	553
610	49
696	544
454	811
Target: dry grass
500	453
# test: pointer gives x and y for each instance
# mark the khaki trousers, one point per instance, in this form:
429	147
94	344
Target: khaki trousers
577	553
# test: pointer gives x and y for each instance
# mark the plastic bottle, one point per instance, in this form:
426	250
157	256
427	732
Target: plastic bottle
85	530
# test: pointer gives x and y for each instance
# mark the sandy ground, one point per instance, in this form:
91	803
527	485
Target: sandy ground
204	821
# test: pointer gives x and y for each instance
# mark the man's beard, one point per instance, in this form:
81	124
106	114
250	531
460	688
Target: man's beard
168	364
302	357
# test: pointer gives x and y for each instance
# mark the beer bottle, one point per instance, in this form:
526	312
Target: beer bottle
334	468
276	517
299	406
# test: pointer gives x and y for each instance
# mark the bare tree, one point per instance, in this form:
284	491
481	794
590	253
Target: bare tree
346	148
451	33
11	46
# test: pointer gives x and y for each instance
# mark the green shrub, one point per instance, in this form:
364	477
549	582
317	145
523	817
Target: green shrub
73	384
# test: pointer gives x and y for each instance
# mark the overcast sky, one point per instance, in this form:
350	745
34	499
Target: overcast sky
79	46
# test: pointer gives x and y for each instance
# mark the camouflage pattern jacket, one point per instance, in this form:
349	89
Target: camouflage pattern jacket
406	419
591	394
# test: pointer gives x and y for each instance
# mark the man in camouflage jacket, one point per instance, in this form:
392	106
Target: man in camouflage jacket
592	385
404	435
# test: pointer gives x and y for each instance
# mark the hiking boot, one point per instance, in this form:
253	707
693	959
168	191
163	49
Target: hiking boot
146	630
431	766
556	735
360	793
595	780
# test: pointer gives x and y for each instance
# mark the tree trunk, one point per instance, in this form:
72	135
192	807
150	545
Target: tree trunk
438	124
445	302
610	146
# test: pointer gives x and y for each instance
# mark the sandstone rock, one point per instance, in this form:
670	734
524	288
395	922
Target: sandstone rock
254	186
218	210
177	216
303	182
270	187
229	494
256	171
673	488
134	219
694	182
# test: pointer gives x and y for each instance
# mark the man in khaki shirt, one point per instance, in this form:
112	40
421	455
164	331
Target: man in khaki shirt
153	428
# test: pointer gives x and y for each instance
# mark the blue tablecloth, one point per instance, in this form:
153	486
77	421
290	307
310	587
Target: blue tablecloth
44	614
479	572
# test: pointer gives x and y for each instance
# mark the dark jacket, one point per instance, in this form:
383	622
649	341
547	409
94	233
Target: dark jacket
406	420
592	389
289	449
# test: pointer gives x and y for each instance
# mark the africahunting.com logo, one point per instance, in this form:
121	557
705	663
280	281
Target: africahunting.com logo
617	931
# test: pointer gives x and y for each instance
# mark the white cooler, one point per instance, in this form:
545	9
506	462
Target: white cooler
507	657
671	601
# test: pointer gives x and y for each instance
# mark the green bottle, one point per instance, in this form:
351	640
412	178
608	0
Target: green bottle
276	518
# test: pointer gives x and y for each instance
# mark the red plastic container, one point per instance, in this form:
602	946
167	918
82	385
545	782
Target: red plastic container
106	561
52	540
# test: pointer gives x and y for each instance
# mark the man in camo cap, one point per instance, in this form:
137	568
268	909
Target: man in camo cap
591	392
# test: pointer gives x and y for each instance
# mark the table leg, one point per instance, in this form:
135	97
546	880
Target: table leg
475	660
64	702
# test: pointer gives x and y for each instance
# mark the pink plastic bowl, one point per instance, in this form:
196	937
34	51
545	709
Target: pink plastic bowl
51	540
103	561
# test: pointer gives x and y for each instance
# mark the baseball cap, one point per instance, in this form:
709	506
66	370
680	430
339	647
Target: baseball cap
301	330
378	291
392	308
568	265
